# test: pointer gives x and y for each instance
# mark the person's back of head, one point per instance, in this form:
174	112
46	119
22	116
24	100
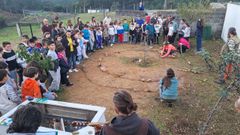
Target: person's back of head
168	77
31	72
124	103
26	119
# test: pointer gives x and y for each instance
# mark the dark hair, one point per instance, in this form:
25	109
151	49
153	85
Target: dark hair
167	79
60	48
3	73
42	78
232	31
3	65
60	24
26	119
34	38
30	72
5	43
124	102
50	42
31	40
25	36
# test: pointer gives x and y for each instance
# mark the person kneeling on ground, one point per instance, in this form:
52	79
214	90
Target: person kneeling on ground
128	122
183	44
168	87
168	50
26	121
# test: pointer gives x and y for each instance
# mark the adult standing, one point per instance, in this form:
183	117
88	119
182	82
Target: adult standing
127	121
107	20
199	35
231	49
79	24
46	27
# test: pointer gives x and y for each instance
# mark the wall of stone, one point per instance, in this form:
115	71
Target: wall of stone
215	19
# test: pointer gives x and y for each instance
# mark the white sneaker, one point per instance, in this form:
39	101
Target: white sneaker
70	71
111	45
67	76
75	70
86	57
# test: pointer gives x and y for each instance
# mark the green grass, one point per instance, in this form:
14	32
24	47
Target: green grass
10	33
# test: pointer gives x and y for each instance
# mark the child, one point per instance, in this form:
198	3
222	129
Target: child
105	35
14	88
168	87
31	49
126	31
10	58
183	44
82	48
70	45
138	33
86	36
30	87
150	33
47	36
37	42
168	50
111	32
6	103
44	91
157	27
92	38
24	41
115	25
44	48
55	72
132	31
99	38
64	66
120	32
170	33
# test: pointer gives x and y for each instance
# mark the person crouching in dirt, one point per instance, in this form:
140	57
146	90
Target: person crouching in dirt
128	122
168	87
168	50
237	105
231	49
183	44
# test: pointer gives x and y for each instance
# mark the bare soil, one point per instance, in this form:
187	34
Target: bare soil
137	69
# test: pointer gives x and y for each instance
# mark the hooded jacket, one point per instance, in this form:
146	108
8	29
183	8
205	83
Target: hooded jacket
130	125
30	88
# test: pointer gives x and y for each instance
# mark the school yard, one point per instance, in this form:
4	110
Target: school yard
138	68
123	67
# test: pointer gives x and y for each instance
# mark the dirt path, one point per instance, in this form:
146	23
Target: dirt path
95	86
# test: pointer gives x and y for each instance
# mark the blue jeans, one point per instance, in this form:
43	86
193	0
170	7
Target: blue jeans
199	42
72	60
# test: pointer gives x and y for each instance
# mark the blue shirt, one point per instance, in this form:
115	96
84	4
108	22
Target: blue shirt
171	92
86	34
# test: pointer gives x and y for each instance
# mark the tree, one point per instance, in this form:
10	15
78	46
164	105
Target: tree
194	10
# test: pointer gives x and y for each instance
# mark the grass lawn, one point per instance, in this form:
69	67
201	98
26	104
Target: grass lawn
10	33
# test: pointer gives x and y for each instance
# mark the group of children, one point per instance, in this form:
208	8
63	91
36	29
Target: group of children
69	46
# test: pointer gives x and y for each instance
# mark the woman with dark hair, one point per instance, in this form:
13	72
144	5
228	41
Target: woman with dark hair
231	48
26	121
79	24
128	122
168	86
62	29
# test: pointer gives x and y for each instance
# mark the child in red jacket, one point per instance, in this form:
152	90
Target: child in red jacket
30	87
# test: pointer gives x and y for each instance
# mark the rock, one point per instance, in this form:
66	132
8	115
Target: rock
103	68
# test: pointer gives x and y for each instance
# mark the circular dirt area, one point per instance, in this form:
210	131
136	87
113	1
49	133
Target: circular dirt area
134	68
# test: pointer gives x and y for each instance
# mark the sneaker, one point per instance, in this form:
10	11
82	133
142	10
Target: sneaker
70	71
75	70
111	45
220	81
67	76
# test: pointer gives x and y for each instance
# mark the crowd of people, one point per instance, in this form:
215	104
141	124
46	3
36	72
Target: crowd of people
68	46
